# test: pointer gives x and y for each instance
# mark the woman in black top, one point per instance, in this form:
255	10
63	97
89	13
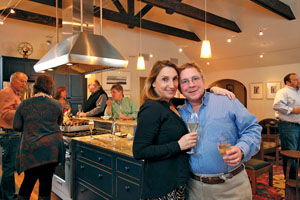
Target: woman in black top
161	139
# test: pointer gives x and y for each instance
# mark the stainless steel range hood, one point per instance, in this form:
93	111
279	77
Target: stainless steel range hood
82	52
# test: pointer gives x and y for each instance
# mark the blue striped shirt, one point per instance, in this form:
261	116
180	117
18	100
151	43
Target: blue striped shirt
219	115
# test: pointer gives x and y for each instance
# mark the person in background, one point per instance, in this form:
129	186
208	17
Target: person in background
160	139
214	176
41	147
287	110
96	103
10	98
60	95
122	107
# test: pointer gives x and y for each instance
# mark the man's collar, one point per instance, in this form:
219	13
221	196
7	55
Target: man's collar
204	101
15	91
292	88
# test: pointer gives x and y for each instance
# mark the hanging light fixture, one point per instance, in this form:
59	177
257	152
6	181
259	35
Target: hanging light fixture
205	49
140	61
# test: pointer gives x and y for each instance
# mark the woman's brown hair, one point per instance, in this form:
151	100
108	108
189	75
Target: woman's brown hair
43	83
149	92
58	92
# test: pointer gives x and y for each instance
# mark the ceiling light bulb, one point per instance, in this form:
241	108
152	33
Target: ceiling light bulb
208	63
180	49
228	40
205	49
1	22
50	69
261	33
12	11
69	64
261	55
151	55
140	63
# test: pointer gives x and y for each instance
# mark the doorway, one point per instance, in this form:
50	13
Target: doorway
234	86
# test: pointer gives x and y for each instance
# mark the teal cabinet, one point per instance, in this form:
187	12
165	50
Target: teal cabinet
103	174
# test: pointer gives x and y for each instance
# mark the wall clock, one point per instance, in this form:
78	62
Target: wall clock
25	49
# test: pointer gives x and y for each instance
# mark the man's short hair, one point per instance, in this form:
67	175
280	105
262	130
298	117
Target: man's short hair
288	77
118	87
16	74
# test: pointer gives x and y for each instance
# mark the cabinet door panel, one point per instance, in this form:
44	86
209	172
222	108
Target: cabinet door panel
101	179
127	189
129	168
83	192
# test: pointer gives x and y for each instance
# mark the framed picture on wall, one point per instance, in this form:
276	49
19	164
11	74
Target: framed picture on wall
272	88
114	77
256	90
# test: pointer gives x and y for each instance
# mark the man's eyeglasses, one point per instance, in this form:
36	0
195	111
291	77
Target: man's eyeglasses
194	79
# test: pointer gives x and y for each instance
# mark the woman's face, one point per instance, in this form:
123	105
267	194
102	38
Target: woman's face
166	83
63	94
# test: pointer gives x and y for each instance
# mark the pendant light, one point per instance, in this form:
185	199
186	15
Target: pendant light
140	61
205	49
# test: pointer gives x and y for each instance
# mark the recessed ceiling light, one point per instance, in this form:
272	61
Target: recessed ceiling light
151	55
69	64
261	33
261	55
1	22
208	63
180	49
228	40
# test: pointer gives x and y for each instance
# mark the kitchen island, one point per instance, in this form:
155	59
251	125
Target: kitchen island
104	168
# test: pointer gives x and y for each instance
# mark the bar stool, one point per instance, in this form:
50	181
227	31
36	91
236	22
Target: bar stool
291	184
255	168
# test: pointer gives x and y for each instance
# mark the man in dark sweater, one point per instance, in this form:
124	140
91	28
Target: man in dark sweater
96	103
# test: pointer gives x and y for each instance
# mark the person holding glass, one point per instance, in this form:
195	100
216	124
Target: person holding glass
60	95
120	106
42	146
229	135
160	139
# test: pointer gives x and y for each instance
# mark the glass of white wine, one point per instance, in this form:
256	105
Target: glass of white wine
223	147
91	127
193	127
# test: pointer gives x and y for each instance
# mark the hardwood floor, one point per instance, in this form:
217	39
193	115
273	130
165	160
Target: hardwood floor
19	179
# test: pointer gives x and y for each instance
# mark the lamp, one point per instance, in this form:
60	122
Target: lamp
205	49
140	61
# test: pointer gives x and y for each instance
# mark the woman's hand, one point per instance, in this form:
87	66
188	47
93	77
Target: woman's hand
188	141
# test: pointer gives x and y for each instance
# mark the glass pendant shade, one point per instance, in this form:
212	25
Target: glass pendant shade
140	63
205	49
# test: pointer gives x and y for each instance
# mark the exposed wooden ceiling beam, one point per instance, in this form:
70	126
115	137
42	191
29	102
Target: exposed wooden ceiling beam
33	17
119	6
277	7
146	24
196	13
144	11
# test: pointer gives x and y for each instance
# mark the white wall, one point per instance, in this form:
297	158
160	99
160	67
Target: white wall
260	108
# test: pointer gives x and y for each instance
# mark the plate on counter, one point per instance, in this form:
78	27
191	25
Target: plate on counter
121	134
105	117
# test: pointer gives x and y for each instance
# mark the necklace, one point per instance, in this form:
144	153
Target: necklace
42	94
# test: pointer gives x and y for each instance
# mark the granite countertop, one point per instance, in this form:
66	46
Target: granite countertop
109	142
118	122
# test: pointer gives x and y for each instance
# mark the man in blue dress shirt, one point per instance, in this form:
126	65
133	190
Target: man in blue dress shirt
214	176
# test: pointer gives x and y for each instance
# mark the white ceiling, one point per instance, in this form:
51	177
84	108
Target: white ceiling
280	43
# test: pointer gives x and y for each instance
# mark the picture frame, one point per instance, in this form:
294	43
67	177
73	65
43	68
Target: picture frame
114	77
230	87
256	90
272	87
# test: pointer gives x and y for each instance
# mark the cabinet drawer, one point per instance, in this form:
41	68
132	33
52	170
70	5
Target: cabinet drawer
95	156
84	192
95	176
127	189
129	168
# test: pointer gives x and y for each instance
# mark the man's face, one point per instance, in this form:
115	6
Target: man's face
294	81
191	84
116	95
19	83
93	87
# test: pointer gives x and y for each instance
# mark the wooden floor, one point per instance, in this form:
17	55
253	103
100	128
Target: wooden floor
19	179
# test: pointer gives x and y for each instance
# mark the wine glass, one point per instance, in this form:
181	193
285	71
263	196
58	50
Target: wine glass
91	127
79	108
193	127
223	147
